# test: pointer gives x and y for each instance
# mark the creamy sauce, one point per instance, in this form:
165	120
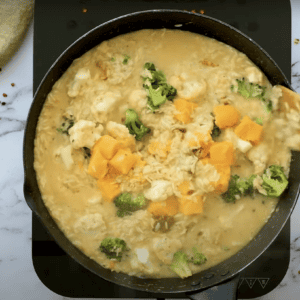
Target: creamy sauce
223	228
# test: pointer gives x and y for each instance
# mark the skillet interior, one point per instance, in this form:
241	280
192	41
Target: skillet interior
159	19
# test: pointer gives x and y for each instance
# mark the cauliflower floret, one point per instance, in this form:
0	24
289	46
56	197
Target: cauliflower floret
160	190
205	175
140	261
142	255
138	99
259	155
119	71
84	134
104	104
254	75
187	162
66	155
238	143
257	184
81	76
192	89
165	248
242	145
90	224
117	130
276	93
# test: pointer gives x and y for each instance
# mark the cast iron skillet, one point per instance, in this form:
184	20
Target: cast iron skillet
225	273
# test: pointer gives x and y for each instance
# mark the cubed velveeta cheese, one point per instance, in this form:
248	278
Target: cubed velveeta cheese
159	148
98	165
185	109
222	153
189	207
123	161
248	130
108	146
226	116
168	207
221	186
184	187
109	189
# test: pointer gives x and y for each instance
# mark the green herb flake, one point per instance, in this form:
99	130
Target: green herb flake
126	58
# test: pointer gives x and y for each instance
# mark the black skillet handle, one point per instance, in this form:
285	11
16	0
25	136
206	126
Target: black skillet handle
224	291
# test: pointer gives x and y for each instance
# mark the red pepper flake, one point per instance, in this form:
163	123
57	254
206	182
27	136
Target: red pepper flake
4	95
194	11
84	10
202	11
12	84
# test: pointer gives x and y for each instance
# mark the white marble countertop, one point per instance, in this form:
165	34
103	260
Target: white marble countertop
18	279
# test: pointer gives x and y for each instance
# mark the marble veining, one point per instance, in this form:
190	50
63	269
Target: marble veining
18	279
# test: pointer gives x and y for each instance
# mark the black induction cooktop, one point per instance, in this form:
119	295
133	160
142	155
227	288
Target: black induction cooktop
57	24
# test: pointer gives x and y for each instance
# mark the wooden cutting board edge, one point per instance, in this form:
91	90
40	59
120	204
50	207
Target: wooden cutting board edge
20	26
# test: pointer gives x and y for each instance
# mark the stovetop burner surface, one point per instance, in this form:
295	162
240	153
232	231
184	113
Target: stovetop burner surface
57	24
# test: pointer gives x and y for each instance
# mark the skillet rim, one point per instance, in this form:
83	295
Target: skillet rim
28	190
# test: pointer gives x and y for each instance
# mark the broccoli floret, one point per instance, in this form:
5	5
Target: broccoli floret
159	91
127	205
252	90
216	131
134	125
238	187
197	258
66	125
180	265
274	181
113	248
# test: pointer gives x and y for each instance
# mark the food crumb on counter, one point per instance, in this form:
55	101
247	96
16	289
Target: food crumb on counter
3	103
12	84
4	95
296	41
84	10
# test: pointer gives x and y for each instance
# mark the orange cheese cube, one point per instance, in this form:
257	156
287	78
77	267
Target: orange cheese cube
222	153
221	186
123	161
108	146
169	207
185	109
183	118
109	189
189	207
98	165
159	148
248	130
184	188
226	116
